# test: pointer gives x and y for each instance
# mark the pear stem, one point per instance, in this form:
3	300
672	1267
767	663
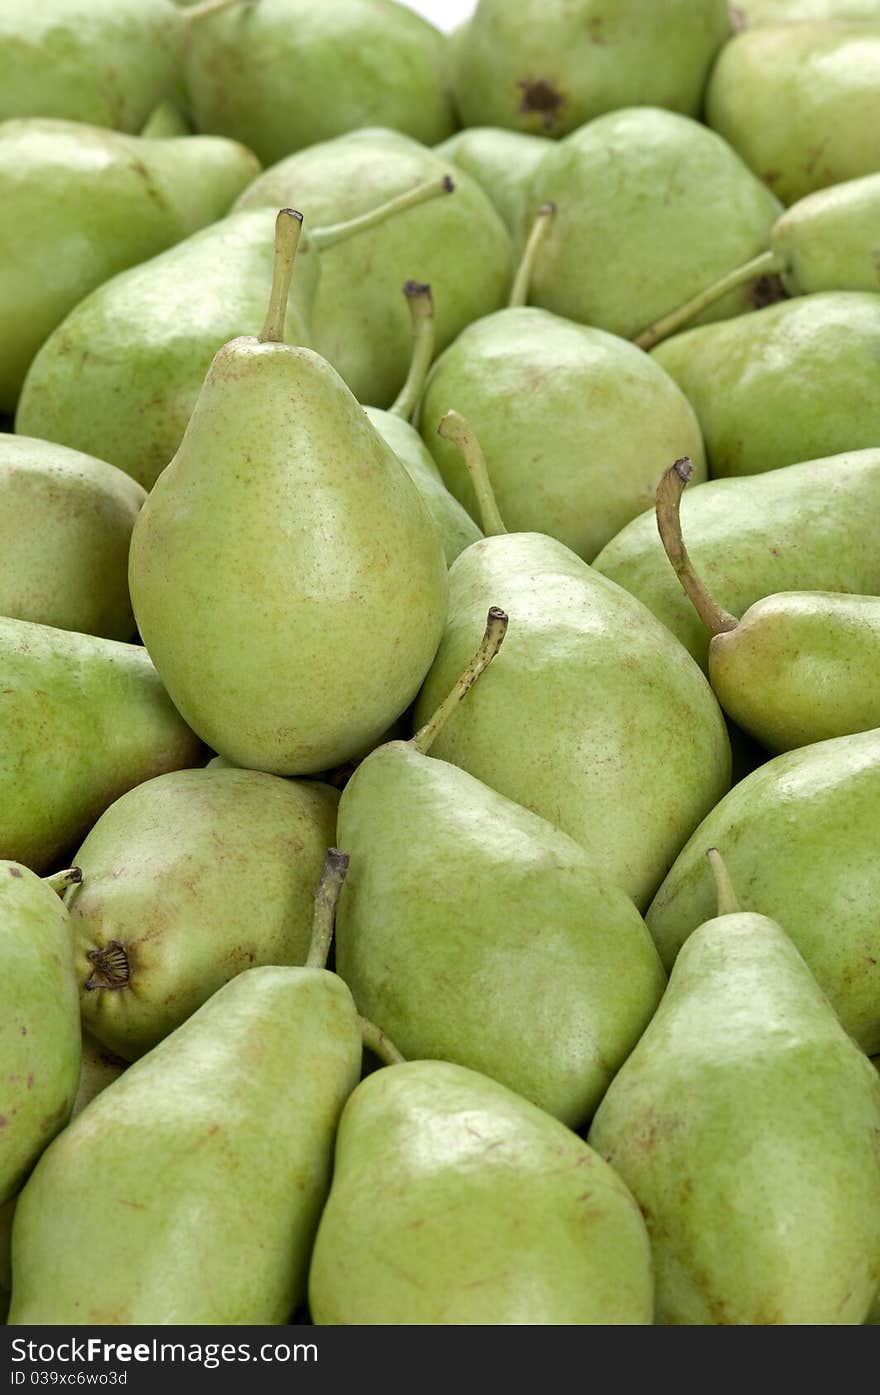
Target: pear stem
522	281
288	226
326	900
457	429
328	236
764	265
668	510
726	896
493	638
421	309
205	8
380	1045
60	881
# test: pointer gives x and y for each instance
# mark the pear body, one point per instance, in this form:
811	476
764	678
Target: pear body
121	375
457	243
82	719
106	62
800	103
456	528
574	715
287	73
547	66
65	524
745	1124
618	256
211	1160
198	875
39	1022
789	383
576	426
304	652
79	204
830	239
798	838
801	667
99	1069
754	536
502	162
476	932
454	1201
755	12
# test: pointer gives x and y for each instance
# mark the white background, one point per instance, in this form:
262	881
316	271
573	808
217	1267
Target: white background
444	13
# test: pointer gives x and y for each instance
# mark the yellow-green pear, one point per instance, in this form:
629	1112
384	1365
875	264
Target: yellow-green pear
755	12
502	162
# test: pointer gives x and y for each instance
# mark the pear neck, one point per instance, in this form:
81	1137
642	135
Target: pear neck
288	227
493	638
456	429
668	510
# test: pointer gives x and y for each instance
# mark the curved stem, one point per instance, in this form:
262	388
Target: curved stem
205	8
724	892
326	900
288	226
457	429
60	881
328	236
493	638
522	281
668	510
379	1044
421	309
764	265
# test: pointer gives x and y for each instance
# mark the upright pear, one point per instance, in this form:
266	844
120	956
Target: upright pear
455	1201
745	1124
278	564
82	719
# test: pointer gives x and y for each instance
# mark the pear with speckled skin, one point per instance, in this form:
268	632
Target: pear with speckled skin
286	577
800	666
455	1201
745	1124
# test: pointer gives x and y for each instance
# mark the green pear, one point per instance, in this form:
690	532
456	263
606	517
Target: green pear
800	666
65	525
800	103
7	1215
100	1068
455	1201
789	383
165	120
547	66
82	720
577	425
476	932
459	246
39	1019
799	835
286	577
121	375
754	12
575	719
621	252
745	1124
502	162
455	526
188	880
80	204
758	535
284	74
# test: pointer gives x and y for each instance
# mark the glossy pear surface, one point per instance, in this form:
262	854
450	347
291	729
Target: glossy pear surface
476	932
799	839
197	875
830	239
286	577
210	1159
454	1201
502	162
82	720
581	716
576	425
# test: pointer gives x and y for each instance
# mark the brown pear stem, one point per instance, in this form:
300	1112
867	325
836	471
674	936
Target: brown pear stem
764	265
493	638
522	281
455	428
333	874
288	226
206	8
724	892
328	236
380	1045
110	966
668	510
60	881
421	308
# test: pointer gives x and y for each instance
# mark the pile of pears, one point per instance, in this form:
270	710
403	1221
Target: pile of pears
439	663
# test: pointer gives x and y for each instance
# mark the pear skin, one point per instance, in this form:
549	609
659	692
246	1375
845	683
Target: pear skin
755	12
829	239
502	162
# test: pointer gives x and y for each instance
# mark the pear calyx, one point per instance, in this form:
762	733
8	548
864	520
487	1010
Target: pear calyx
110	966
457	429
288	226
493	638
522	281
727	904
60	881
668	511
333	874
420	302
